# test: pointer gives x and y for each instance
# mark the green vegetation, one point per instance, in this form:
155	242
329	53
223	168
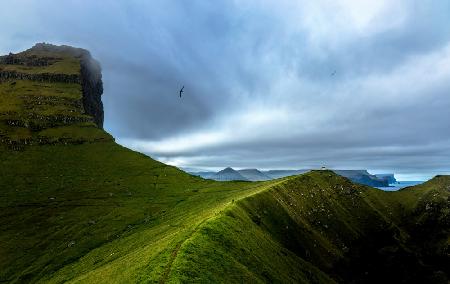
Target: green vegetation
80	210
100	212
51	63
77	207
64	65
36	112
319	225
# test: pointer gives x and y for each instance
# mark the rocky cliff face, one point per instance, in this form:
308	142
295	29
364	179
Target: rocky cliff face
390	178
91	81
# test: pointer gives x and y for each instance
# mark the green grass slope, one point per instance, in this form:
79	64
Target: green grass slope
71	210
320	228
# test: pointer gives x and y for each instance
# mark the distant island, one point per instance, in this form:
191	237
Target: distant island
358	176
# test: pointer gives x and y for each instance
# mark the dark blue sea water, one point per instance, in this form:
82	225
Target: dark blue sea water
400	184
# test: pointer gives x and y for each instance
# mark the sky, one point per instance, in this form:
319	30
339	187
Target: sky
351	84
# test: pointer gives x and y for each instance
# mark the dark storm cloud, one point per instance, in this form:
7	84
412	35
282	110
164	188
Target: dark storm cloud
259	89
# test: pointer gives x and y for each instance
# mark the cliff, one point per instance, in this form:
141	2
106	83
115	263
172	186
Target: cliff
363	177
390	178
50	94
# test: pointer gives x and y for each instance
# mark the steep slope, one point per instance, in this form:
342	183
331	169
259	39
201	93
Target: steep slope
254	175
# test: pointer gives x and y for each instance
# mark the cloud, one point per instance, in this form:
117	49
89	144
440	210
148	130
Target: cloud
257	74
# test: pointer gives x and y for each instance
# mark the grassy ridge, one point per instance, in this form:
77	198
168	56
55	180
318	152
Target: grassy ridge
85	207
100	212
316	226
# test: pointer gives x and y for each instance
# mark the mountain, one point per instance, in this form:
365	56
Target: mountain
254	175
228	174
77	207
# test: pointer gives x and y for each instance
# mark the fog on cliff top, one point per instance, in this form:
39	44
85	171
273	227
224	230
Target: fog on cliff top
268	84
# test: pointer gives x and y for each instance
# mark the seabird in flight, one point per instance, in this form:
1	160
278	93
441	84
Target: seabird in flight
181	91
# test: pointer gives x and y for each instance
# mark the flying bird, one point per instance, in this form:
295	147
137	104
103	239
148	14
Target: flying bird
334	73
181	91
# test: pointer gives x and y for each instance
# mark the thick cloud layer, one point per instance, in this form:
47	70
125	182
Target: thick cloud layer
268	84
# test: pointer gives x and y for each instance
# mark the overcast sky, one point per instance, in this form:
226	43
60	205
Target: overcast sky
268	84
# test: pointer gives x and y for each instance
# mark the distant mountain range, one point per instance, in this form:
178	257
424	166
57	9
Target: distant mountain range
230	174
358	176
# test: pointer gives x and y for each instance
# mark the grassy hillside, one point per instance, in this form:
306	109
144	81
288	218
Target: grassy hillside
100	212
315	227
77	207
80	208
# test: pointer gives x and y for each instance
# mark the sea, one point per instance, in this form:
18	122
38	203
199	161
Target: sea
400	184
